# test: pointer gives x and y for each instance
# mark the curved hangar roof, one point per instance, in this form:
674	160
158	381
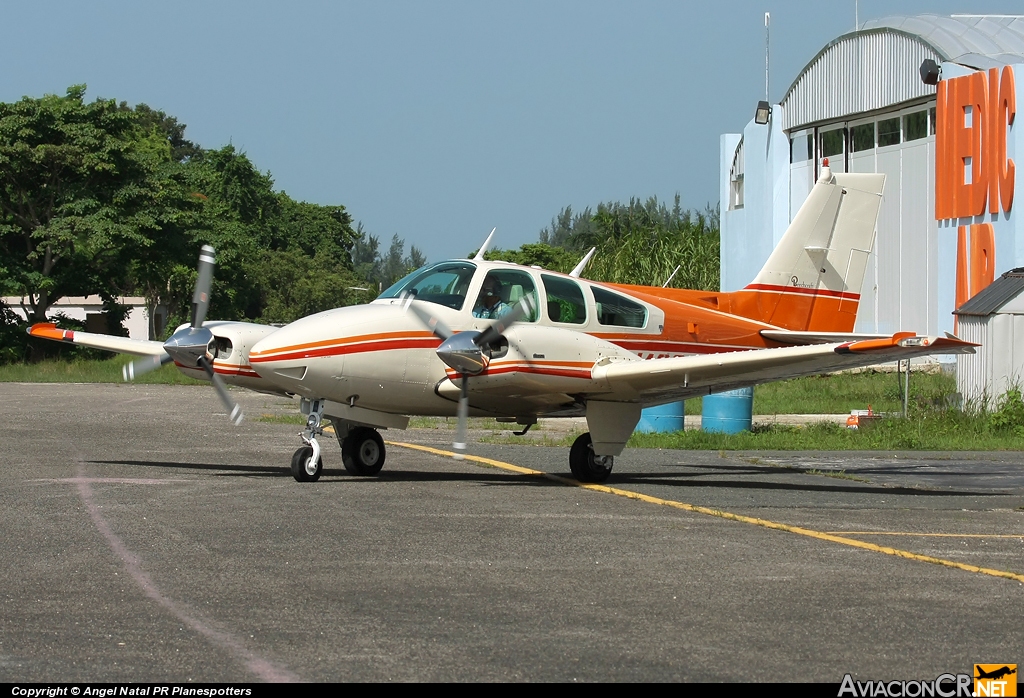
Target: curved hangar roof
877	66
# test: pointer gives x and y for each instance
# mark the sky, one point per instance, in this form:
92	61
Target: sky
438	121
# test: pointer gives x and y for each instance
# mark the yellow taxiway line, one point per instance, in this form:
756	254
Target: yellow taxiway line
820	535
927	535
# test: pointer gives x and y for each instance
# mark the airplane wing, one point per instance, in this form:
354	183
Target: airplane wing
122	345
658	381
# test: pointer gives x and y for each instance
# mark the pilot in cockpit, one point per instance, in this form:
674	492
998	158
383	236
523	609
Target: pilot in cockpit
489	303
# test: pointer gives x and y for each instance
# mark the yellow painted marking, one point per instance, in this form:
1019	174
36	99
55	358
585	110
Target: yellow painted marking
927	535
820	535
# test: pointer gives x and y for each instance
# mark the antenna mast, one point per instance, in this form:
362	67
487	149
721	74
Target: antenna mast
767	22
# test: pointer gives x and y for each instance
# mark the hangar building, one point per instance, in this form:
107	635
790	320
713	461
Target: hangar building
947	227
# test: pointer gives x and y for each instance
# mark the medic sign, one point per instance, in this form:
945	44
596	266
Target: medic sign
973	114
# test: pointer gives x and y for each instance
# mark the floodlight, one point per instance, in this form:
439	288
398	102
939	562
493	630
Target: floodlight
764	110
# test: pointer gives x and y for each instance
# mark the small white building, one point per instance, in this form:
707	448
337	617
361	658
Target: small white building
89	310
994	319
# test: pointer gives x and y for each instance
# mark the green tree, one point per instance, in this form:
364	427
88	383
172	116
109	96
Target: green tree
101	198
641	242
77	200
538	254
377	271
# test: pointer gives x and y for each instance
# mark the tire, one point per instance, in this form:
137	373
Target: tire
299	460
583	463
362	451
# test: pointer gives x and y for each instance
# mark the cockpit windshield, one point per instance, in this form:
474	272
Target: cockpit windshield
444	283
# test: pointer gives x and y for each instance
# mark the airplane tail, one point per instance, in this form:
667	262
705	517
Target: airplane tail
813	278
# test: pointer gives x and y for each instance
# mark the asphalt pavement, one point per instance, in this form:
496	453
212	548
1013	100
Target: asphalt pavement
148	539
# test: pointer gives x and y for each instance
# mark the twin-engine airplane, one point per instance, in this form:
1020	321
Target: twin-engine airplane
492	339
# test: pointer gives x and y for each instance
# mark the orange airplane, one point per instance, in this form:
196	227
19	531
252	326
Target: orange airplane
493	339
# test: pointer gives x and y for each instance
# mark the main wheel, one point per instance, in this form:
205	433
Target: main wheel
585	465
362	451
302	469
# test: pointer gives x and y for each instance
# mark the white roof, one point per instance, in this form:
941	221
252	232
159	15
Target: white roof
978	41
876	67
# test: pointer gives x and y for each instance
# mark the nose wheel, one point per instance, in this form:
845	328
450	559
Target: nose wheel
304	468
307	464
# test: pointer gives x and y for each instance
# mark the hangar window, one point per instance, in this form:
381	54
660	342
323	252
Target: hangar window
801	148
833	142
862	137
888	132
931	119
736	178
915	126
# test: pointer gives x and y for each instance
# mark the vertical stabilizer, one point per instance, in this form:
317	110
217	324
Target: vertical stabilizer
813	278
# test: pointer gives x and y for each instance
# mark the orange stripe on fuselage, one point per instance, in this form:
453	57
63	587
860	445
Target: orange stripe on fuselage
767	306
229	369
567	369
349	345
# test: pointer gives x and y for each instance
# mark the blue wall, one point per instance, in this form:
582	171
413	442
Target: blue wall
749	234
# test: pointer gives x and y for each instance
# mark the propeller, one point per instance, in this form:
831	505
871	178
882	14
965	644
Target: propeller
193	346
466	352
143	366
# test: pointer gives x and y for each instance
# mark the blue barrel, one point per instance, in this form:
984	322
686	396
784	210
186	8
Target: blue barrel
663	418
728	413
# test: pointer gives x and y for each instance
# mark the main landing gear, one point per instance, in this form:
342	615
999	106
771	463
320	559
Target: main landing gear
586	466
362	448
362	451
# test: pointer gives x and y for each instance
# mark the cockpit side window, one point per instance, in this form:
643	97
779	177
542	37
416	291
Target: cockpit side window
501	290
445	284
613	309
564	300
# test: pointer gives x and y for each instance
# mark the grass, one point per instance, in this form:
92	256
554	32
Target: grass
939	430
89	371
840	393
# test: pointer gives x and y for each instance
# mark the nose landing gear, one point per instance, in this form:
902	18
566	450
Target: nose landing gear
307	464
362	448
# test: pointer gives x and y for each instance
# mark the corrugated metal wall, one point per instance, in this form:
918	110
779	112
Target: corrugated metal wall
857	74
971	369
999	361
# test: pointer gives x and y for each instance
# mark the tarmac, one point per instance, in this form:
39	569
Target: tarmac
146	539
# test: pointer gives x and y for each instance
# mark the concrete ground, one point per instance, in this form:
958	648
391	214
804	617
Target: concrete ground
147	539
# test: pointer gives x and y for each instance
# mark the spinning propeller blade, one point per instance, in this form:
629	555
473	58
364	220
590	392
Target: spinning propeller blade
433	323
193	346
498	327
201	295
460	430
465	352
143	366
234	411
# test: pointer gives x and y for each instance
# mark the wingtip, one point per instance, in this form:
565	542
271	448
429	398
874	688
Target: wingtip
49	330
